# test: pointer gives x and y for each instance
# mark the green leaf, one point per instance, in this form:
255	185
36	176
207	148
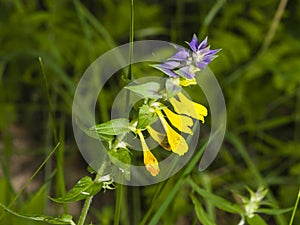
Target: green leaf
201	214
147	90
121	158
93	134
112	127
84	188
219	202
274	211
63	219
146	117
256	220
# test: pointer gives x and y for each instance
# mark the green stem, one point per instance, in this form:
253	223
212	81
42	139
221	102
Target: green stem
136	204
52	116
131	37
210	16
295	209
274	25
88	201
118	204
85	210
128	76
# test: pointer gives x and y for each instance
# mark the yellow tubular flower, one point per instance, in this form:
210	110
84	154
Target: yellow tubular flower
187	82
181	122
150	161
159	138
188	107
176	141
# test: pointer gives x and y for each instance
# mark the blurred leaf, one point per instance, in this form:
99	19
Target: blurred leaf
146	117
84	188
256	220
112	127
201	214
63	219
274	211
121	158
217	201
147	90
36	204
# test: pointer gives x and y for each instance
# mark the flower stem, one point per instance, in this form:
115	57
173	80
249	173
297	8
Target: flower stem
85	210
88	200
118	204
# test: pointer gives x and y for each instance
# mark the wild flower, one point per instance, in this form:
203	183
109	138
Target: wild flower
184	64
167	104
181	120
150	160
183	105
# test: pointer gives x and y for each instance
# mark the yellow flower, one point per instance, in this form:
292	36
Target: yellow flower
150	161
188	107
176	141
159	138
187	82
181	122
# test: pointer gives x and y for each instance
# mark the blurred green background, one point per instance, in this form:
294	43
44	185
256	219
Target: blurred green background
258	70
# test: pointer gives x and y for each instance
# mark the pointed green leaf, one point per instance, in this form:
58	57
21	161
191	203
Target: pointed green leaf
62	220
146	117
112	127
219	202
93	134
36	204
84	188
274	211
147	90
121	158
201	214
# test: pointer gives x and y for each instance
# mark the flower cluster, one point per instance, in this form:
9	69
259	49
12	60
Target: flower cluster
181	119
186	63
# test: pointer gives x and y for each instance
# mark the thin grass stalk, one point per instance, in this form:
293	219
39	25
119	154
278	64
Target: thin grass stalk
295	209
274	25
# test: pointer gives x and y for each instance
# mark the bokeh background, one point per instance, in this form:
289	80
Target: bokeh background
258	70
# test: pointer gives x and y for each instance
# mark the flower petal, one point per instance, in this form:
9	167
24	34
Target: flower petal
181	122
203	44
194	43
185	72
181	55
188	107
170	65
159	138
187	82
176	141
150	161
